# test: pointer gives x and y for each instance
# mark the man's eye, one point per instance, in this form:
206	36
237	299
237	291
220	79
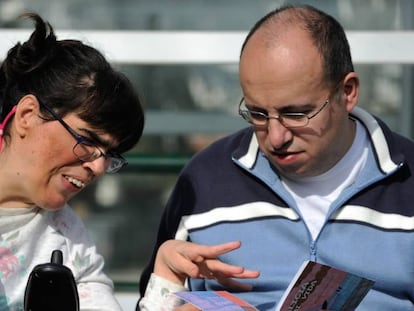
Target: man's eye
294	116
258	115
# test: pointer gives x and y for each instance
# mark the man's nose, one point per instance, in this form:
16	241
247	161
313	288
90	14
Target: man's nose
278	134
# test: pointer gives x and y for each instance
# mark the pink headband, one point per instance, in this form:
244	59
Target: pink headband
3	124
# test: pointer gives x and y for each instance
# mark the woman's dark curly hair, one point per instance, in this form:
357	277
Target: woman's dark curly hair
70	76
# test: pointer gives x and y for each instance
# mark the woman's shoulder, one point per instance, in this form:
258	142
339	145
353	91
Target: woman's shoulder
68	223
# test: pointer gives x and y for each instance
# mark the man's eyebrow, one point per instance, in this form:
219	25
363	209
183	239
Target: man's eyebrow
293	107
284	108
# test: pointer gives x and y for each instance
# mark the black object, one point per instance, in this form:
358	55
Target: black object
51	287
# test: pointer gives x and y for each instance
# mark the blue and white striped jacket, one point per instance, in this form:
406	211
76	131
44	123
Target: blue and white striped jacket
222	195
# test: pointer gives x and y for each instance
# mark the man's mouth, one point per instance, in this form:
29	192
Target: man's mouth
75	181
286	156
283	154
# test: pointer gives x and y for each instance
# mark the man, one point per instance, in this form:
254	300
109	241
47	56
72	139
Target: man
314	177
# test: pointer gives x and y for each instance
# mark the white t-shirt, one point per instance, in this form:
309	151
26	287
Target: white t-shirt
314	195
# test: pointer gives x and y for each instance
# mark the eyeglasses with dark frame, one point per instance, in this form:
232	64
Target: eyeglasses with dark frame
85	150
287	119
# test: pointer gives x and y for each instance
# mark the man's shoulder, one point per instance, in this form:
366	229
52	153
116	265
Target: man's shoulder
229	144
219	154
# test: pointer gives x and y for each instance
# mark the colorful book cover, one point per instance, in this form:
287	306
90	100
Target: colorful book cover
215	300
317	285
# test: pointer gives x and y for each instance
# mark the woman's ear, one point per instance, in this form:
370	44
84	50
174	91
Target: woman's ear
351	90
27	114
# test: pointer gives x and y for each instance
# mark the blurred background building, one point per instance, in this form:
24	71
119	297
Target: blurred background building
191	99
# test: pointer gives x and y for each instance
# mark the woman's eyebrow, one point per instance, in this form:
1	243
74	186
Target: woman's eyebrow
91	135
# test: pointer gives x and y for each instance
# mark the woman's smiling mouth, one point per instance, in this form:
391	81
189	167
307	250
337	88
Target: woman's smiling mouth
75	181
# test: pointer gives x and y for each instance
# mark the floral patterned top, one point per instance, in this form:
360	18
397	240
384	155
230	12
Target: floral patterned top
28	237
158	295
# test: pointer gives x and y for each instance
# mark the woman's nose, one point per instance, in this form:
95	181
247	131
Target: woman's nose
98	166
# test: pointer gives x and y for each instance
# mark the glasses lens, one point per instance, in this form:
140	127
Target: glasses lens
257	118
254	117
294	120
85	151
116	163
245	115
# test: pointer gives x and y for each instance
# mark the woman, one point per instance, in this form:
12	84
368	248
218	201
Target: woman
66	118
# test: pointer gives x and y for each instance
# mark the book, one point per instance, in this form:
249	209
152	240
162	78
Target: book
317	286
314	287
215	300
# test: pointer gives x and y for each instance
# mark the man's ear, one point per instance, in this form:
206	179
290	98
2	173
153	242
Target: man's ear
351	90
27	114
